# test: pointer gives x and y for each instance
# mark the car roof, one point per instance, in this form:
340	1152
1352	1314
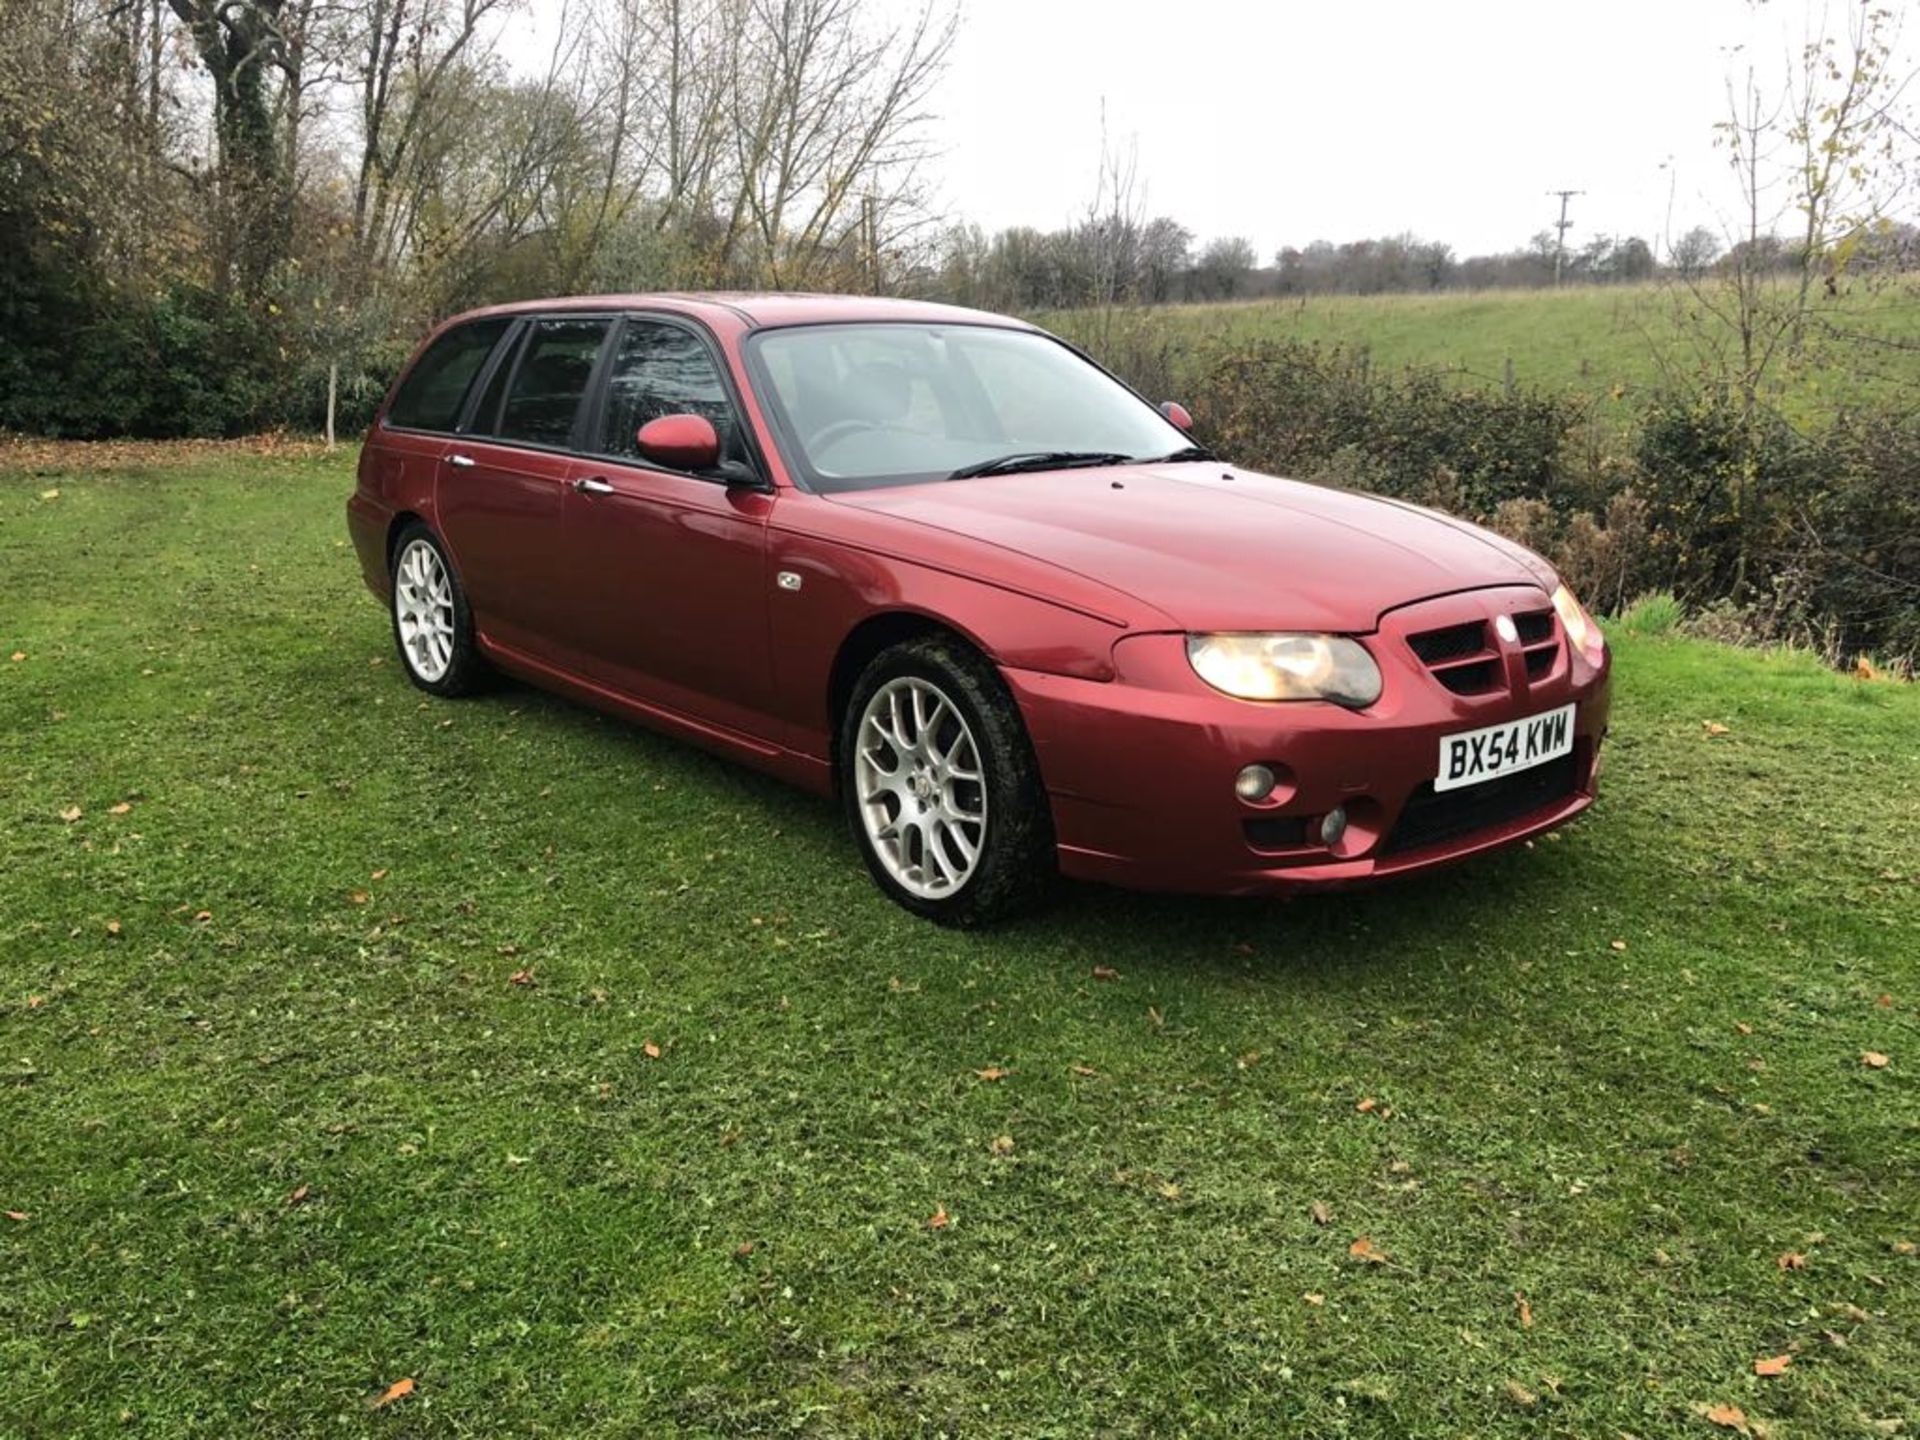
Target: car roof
752	310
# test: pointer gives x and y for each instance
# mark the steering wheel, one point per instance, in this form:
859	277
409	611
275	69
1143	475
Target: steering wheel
830	435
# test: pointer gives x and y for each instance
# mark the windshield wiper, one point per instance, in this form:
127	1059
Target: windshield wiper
1185	452
1039	460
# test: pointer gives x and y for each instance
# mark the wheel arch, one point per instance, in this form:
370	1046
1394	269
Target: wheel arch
867	639
397	525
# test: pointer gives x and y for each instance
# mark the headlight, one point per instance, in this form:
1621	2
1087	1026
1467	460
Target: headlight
1287	667
1581	628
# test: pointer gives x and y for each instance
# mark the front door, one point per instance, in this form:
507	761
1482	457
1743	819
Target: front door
669	569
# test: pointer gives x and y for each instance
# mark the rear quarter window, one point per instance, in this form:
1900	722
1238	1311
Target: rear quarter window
435	390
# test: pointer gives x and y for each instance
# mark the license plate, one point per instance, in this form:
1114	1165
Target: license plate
1476	755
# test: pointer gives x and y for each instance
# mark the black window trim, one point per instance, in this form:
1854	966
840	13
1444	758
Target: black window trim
473	386
506	353
596	409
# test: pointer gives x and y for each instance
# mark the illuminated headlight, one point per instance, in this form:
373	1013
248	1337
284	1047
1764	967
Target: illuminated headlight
1580	626
1286	667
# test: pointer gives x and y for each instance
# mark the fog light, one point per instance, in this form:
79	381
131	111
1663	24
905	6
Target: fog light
1334	826
1254	783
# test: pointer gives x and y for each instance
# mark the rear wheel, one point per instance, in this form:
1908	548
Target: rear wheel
432	626
942	790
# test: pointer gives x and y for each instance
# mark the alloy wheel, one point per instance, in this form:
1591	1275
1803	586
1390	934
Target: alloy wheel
921	788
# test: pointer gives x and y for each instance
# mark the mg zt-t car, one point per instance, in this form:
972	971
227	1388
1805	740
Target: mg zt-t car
941	566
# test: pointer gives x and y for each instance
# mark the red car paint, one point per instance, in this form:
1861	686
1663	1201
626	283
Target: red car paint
659	601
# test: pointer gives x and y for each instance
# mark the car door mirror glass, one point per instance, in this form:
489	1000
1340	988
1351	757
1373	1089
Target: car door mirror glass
1177	414
680	442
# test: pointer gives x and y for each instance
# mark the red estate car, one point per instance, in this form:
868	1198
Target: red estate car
939	563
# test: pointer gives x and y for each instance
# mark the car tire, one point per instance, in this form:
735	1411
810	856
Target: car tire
941	787
432	622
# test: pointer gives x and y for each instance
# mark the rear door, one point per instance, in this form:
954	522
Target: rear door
503	484
669	569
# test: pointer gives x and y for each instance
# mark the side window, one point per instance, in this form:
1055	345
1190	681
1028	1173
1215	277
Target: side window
550	381
663	370
434	390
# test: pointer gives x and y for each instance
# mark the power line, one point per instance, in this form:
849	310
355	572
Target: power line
1560	231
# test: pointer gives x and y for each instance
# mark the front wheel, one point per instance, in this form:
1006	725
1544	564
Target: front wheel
942	790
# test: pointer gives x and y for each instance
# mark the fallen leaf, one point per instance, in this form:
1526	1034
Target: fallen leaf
1154	1015
1713	727
650	1050
939	1220
1520	1395
1863	669
299	1195
1884	1002
201	917
1083	1070
1168	1189
123	808
1105	972
17	1216
1366	1105
1873	1060
1903	1247
1363	1249
398	1390
743	1249
1313	1299
359	897
520	977
991	1073
1772	1365
1728	1417
1743	1027
1320	1213
49	494
1001	1145
34	1002
1792	1260
379	875
18	656
1617	945
71	814
113	927
1526	1311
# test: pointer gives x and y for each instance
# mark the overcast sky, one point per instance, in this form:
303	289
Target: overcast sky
1287	121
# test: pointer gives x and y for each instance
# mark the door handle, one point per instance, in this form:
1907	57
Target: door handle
594	486
464	462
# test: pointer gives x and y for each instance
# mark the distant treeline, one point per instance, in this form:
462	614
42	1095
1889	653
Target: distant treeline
1113	259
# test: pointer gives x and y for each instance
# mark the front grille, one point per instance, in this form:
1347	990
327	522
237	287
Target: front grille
1462	659
1459	657
1432	818
1453	643
1534	626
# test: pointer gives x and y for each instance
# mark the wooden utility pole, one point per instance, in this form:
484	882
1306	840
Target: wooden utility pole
1560	231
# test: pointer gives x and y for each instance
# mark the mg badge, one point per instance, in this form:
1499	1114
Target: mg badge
787	580
1507	630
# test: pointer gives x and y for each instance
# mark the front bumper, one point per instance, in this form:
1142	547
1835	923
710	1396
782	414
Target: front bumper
1140	770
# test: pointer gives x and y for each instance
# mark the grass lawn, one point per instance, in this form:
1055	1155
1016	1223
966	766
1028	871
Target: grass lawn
586	1082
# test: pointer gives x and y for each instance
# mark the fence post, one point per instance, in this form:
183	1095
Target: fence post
333	393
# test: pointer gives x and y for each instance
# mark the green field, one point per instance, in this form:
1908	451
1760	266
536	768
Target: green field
1612	343
587	1083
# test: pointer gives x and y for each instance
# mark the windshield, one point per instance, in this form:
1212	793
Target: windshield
890	404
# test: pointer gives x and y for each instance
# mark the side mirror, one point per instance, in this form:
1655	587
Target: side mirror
1177	414
680	442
